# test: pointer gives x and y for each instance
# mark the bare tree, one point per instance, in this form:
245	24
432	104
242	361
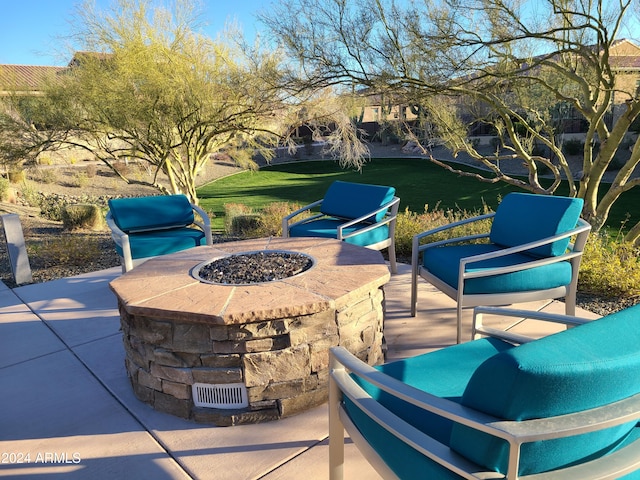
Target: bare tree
515	66
148	88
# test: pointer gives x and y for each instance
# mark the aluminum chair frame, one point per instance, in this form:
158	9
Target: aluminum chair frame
573	254
517	433
390	219
122	239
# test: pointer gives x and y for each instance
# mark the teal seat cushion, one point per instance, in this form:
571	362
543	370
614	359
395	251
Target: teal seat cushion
578	369
163	242
353	200
444	373
524	217
140	214
443	262
328	228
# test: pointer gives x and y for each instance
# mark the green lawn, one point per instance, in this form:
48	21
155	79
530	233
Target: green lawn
417	182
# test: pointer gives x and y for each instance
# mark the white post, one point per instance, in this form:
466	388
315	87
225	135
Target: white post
16	248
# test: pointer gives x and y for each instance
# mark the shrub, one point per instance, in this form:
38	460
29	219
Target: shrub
30	194
573	147
82	216
80	180
241	220
540	150
232	211
4	189
411	223
17	176
91	170
47	175
543	169
247	226
122	168
51	207
66	249
610	267
271	217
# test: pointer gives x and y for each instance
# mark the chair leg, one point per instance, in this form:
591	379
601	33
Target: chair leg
336	430
570	302
459	320
414	290
392	259
415	268
572	291
123	264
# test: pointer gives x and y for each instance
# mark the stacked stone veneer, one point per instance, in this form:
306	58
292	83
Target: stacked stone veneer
281	358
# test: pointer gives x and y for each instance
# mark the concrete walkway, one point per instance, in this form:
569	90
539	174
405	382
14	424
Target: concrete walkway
67	409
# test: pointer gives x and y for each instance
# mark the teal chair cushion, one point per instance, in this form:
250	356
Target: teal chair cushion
444	263
523	217
443	373
140	214
578	369
328	228
163	242
353	200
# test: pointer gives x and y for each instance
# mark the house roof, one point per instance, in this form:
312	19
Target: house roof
622	62
27	78
80	55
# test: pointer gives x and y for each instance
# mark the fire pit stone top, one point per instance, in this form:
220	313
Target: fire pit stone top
166	286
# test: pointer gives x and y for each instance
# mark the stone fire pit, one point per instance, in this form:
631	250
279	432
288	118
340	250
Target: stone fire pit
232	354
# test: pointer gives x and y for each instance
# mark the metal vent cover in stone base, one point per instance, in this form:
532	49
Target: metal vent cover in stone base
228	395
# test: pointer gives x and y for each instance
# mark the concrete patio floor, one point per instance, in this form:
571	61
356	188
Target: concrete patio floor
67	409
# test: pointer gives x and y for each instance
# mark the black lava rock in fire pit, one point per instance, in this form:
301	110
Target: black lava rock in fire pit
255	267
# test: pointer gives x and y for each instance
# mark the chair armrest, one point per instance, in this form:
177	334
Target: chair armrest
416	247
303	209
426	233
205	224
285	220
392	206
582	229
121	239
479	329
116	233
342	362
343	365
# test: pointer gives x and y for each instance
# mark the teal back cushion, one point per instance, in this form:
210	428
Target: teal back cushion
525	217
575	370
353	200
142	214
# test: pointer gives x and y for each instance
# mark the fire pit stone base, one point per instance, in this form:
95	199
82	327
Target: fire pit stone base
279	355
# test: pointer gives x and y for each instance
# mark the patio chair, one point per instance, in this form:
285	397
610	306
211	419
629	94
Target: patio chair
565	406
145	227
527	255
357	213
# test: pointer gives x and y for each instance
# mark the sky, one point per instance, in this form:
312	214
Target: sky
31	30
